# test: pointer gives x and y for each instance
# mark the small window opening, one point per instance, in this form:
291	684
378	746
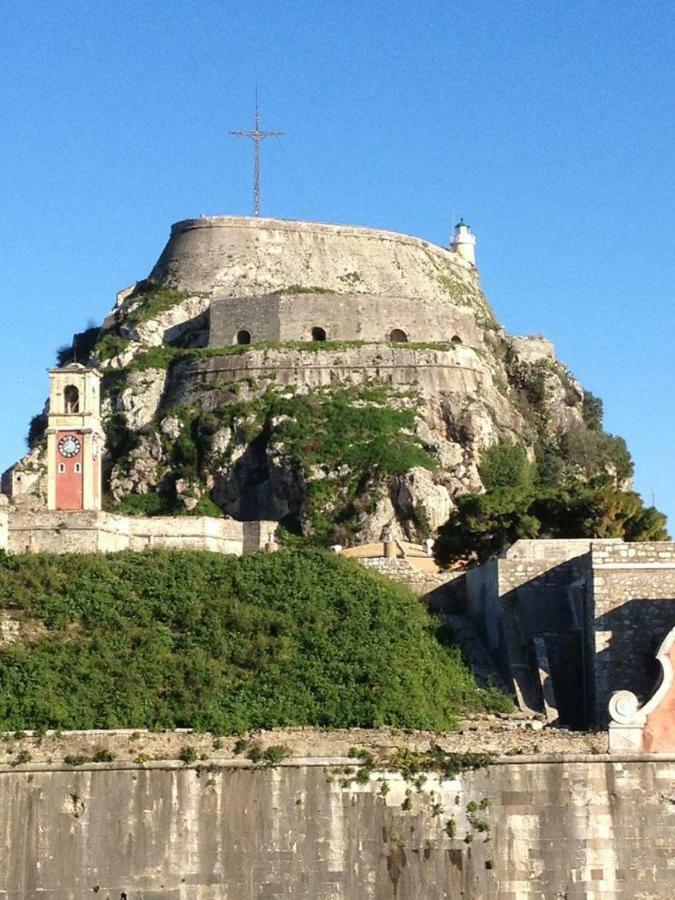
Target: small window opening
455	339
78	468
243	337
318	334
398	336
71	399
62	468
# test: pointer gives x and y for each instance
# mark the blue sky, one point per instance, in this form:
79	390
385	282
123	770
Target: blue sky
550	126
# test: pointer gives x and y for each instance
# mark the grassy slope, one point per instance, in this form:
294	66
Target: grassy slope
177	639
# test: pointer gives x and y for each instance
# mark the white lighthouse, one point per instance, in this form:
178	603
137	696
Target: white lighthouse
464	242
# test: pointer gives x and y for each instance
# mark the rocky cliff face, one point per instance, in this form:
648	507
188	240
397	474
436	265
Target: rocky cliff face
336	438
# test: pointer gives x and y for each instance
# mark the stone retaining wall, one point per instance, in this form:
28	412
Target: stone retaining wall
90	532
536	829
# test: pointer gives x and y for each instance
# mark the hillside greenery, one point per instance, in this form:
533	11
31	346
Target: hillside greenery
343	441
520	503
195	639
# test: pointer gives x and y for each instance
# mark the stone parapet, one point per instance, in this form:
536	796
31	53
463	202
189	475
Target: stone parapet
92	532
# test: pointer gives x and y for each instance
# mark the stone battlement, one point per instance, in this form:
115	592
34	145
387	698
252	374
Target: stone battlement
101	532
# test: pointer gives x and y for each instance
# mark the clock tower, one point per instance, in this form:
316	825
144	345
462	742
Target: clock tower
74	438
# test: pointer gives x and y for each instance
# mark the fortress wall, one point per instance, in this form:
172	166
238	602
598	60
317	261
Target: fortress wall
4	530
344	317
568	828
237	257
634	591
431	371
90	532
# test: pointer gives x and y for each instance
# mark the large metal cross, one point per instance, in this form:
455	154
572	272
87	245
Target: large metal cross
257	136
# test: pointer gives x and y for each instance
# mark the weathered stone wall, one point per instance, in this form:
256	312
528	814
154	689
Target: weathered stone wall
541	829
584	618
498	735
634	594
90	532
343	317
4	529
433	372
234	256
420	582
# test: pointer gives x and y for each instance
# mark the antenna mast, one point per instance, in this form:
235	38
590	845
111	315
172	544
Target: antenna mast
257	136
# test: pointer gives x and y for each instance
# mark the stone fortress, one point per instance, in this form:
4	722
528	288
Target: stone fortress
572	628
385	306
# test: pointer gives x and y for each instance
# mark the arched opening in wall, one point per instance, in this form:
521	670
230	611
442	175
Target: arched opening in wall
318	334
243	337
71	399
398	336
456	339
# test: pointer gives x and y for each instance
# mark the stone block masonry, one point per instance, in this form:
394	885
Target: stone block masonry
601	608
92	532
516	830
634	601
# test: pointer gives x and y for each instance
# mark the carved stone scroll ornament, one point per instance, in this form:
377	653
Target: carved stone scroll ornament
649	728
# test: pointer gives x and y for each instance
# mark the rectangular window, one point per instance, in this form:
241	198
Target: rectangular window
78	468
62	468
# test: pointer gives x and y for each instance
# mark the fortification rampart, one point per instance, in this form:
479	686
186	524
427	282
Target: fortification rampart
238	256
429	370
340	317
527	828
90	532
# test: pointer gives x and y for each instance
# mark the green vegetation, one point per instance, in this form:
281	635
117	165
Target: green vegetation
110	345
187	639
141	505
344	442
484	524
149	299
505	465
36	430
412	763
302	289
81	347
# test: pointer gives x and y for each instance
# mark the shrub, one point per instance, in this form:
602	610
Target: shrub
76	760
505	465
104	756
274	754
170	639
188	755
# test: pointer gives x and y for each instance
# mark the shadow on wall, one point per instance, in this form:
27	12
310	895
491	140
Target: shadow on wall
532	623
542	630
635	631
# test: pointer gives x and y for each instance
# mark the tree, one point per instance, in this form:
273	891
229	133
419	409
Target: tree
505	465
484	524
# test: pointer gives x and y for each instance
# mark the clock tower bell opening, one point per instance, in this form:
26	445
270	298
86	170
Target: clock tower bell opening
74	439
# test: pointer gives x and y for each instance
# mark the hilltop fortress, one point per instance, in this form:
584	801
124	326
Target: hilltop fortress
239	308
345	382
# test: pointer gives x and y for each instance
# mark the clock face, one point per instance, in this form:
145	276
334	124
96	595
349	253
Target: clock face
69	446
